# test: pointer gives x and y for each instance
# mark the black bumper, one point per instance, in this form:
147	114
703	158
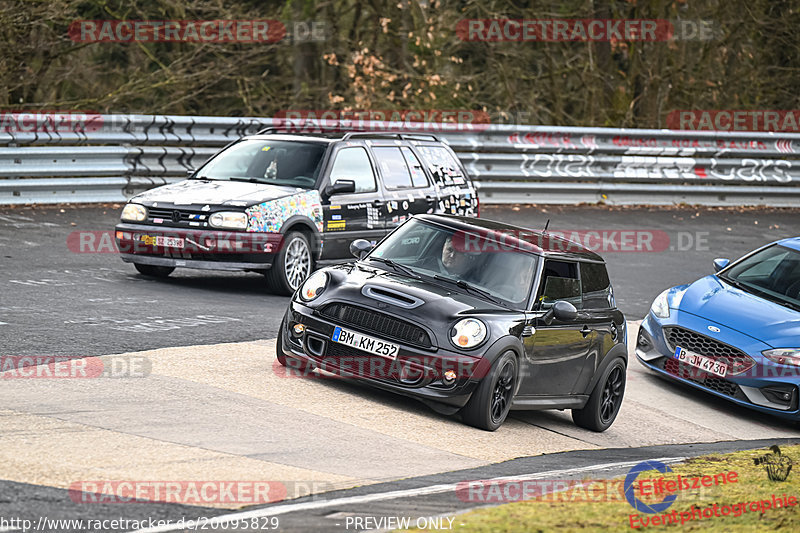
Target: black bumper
425	367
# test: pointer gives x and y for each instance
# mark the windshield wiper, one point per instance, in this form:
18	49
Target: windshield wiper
397	266
251	180
731	281
469	287
784	303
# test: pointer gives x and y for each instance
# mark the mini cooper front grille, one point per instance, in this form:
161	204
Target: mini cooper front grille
375	323
736	360
682	370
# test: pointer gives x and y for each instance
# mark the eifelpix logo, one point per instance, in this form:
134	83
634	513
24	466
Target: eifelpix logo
630	483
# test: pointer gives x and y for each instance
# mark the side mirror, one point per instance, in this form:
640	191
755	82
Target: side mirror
721	263
360	248
562	311
340	187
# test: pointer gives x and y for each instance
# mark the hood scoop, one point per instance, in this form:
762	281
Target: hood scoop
391	296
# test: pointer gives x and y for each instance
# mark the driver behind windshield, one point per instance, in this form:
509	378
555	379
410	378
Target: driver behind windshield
455	263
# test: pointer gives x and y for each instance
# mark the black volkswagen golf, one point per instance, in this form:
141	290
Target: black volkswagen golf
467	315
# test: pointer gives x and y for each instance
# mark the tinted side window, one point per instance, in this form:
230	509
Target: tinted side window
353	164
418	178
595	285
393	167
559	282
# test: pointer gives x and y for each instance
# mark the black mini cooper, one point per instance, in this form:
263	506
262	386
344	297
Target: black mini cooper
284	204
467	315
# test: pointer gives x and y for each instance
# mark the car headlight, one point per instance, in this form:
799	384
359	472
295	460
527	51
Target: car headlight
468	333
783	356
228	220
134	213
313	286
660	306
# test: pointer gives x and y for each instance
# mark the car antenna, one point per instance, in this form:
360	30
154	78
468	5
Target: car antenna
546	226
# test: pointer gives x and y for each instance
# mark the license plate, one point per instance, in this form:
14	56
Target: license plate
162	241
168	242
365	343
700	361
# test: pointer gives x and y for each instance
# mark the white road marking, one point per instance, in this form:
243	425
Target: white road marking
380	496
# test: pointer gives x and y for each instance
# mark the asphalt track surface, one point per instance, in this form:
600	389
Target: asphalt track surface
436	496
58	302
209	402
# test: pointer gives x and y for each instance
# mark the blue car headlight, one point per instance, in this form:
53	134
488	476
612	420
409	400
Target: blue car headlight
660	306
783	356
669	299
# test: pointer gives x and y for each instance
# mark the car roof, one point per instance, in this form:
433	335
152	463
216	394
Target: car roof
792	242
290	137
331	137
524	239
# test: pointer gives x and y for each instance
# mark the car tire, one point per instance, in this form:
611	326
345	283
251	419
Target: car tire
489	405
605	401
154	271
292	265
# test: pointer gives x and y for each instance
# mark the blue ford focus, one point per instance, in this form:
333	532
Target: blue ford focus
734	334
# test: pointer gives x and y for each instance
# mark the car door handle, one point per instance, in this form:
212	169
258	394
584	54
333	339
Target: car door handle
377	203
430	199
585	331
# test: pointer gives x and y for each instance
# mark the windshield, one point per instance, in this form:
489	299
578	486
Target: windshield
288	163
773	273
504	273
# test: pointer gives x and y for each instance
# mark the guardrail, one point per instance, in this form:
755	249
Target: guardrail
107	158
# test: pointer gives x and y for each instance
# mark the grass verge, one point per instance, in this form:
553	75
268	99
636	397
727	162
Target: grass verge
735	485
